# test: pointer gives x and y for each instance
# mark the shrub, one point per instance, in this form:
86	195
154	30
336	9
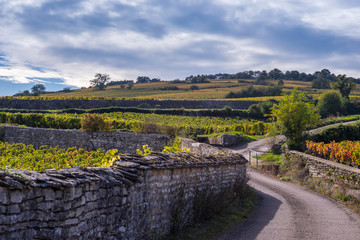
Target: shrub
330	103
95	122
256	92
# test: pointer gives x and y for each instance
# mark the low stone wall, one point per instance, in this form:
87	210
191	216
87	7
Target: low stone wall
330	172
226	140
86	104
125	142
201	148
140	197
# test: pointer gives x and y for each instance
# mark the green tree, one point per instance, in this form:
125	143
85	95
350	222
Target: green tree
100	81
345	86
321	83
330	103
37	89
293	116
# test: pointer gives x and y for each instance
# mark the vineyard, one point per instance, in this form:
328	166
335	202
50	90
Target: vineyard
23	156
346	152
139	122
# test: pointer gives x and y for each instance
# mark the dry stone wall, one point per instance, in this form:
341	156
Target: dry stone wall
201	148
139	197
328	172
125	142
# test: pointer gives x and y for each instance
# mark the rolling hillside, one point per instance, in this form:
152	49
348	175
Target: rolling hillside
216	89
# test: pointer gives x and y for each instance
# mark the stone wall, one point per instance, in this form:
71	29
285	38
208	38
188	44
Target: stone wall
226	140
125	142
201	148
140	197
330	173
86	104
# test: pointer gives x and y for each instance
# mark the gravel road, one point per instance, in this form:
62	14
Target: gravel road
287	211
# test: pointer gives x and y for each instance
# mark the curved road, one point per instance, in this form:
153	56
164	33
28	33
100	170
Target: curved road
287	211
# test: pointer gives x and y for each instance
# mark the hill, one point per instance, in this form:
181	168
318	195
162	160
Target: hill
215	89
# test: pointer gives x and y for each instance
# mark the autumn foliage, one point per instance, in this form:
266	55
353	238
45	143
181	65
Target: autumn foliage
347	152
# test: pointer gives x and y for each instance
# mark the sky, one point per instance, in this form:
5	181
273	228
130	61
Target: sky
64	43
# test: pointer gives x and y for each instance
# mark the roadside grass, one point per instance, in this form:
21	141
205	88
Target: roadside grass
271	157
233	214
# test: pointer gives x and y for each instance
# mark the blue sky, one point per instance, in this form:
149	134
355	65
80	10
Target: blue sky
63	43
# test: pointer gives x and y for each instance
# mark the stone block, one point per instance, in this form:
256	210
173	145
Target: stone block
13	209
71	221
16	196
4	195
49	194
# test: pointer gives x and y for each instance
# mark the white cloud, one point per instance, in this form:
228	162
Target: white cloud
178	52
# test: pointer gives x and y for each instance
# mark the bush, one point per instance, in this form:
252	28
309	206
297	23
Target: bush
194	87
330	103
95	122
339	133
256	92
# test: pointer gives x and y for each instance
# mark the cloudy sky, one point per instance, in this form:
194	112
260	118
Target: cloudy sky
64	43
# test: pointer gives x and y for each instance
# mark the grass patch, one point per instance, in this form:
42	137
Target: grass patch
235	213
271	157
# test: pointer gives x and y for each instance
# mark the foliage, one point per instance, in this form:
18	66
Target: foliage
37	89
271	157
321	83
48	120
256	92
146	150
100	81
194	87
23	93
338	133
23	156
346	152
139	122
330	103
95	122
293	116
345	85
175	147
261	109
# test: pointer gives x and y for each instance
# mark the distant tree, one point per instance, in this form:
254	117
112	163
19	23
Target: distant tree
276	74
194	87
293	116
130	85
142	79
345	86
330	103
66	89
24	93
37	89
155	80
321	83
100	80
280	83
294	75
